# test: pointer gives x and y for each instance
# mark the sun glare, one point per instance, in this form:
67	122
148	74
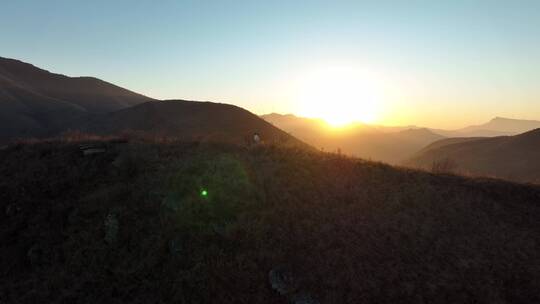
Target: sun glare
339	96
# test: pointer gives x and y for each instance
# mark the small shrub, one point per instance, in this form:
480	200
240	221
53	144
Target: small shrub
445	165
111	228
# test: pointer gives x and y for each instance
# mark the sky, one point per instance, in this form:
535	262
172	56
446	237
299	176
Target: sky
443	64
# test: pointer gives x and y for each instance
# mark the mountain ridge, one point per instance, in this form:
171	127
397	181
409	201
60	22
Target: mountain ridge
508	157
37	103
362	140
189	120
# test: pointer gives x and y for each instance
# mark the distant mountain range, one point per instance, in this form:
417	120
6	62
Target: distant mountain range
498	126
510	157
388	144
391	145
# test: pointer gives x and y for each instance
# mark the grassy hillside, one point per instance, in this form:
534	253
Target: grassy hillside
207	223
509	157
190	120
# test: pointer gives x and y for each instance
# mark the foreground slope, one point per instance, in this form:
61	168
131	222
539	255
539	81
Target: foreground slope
510	157
132	225
35	102
190	120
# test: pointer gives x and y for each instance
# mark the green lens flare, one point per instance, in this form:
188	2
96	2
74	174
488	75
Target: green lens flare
204	193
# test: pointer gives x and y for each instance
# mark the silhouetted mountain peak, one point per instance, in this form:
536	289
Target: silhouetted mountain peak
35	102
21	79
190	120
500	126
506	119
20	69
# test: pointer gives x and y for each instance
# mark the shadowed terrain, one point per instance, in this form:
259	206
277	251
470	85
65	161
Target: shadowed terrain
510	157
189	120
37	103
207	223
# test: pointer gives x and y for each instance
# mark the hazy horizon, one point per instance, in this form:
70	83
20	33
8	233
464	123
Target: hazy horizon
397	63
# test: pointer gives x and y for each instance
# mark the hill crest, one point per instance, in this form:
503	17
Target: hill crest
509	157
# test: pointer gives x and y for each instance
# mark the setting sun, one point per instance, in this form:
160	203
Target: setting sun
339	96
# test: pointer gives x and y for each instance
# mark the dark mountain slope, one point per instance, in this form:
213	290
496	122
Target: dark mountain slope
449	141
190	120
36	103
510	157
130	225
89	93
